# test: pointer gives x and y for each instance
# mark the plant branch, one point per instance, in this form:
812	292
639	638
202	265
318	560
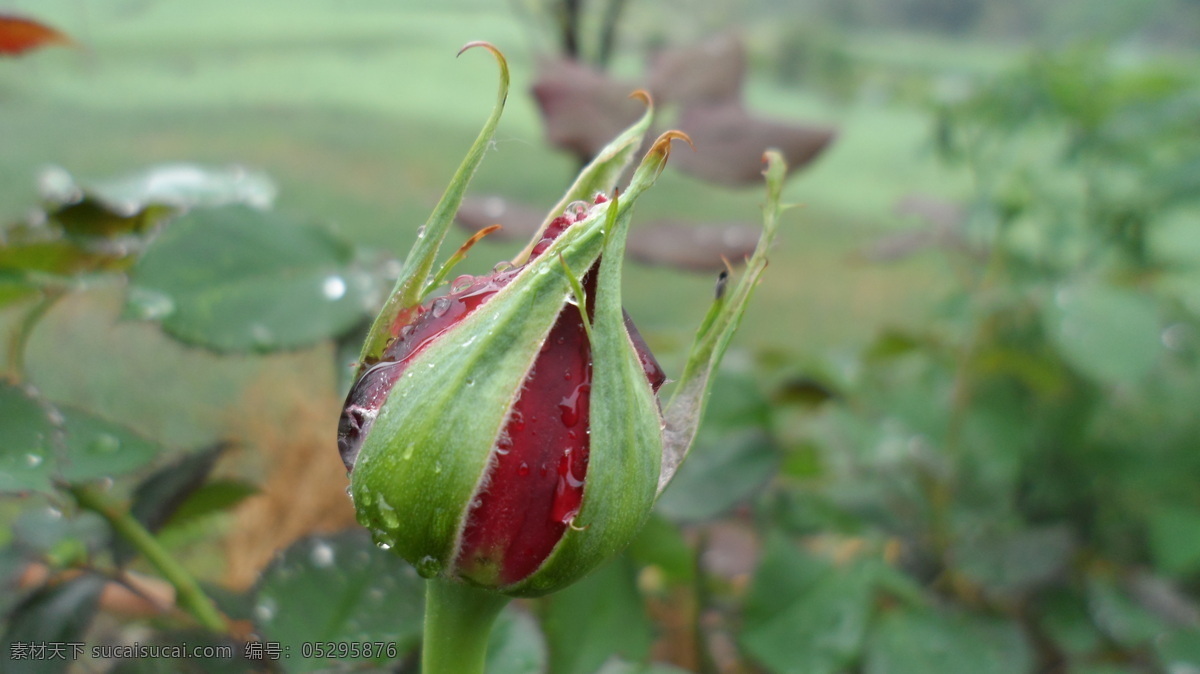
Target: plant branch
187	590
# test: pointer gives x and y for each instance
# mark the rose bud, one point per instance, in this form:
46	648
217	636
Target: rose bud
507	433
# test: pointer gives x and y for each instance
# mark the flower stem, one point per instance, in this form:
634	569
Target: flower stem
187	591
458	622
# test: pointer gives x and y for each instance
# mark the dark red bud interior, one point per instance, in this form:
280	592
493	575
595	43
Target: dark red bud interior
534	486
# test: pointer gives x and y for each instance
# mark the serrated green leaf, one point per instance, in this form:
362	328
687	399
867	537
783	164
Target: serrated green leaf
26	459
516	645
595	619
338	588
1110	334
237	279
1175	539
817	623
924	641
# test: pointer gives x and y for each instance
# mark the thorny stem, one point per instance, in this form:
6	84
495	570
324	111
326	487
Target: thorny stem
187	591
458	622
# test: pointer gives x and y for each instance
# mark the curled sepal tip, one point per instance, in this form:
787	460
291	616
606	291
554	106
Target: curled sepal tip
414	280
643	96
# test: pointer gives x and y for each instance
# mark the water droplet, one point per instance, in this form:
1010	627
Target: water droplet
265	610
428	566
572	299
440	306
523	469
1175	336
322	555
150	305
105	443
33	460
461	283
383	546
261	335
387	515
421	232
334	287
577	209
501	266
437	468
408	451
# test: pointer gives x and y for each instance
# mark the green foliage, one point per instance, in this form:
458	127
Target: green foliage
1005	484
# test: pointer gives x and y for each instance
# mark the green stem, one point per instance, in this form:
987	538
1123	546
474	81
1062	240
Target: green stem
20	335
458	622
187	591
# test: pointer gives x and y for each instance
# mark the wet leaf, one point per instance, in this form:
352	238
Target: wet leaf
26	433
692	246
661	545
1175	539
595	619
19	35
730	143
1016	562
924	641
57	614
339	588
582	108
52	536
97	448
237	279
516	645
804	616
171	187
1110	334
41	443
1179	650
707	72
1118	616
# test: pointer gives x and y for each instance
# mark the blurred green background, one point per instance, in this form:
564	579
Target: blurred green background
955	436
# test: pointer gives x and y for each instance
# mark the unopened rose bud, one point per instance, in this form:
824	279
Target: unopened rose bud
508	433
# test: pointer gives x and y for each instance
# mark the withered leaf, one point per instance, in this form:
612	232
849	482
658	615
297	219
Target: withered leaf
708	72
582	108
730	143
692	246
19	35
518	222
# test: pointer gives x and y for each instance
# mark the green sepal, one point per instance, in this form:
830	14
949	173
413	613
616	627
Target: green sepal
410	285
684	411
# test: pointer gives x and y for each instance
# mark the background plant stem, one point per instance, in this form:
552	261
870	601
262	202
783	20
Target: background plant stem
187	591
